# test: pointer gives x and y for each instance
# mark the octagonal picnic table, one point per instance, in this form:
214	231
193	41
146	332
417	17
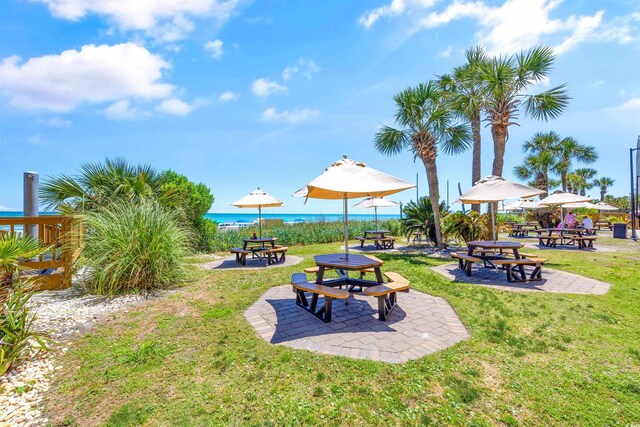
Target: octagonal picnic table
346	263
493	244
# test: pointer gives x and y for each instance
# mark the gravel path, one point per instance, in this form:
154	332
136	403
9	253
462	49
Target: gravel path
64	315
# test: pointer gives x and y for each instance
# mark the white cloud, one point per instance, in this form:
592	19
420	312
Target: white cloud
229	96
446	53
293	117
264	87
164	20
513	25
596	84
37	140
629	105
175	107
93	75
121	110
304	66
214	48
395	8
56	122
4	208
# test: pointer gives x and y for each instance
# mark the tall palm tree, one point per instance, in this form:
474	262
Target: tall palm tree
99	184
574	183
507	81
568	151
540	160
425	123
464	91
604	183
586	174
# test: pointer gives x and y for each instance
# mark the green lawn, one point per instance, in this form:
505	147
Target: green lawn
191	359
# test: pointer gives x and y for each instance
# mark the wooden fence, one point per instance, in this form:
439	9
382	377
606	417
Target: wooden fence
61	235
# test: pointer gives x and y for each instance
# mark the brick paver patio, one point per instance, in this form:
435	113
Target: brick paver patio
553	280
421	324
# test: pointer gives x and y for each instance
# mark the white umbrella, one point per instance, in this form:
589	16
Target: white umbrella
561	198
493	189
520	204
581	205
347	179
375	203
258	199
602	206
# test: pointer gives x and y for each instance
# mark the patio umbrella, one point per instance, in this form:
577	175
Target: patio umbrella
561	198
375	203
602	206
582	205
493	189
346	179
258	199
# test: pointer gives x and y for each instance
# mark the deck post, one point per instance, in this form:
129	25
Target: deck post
30	197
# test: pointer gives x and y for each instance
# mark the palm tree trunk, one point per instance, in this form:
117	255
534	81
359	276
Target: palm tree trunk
602	194
499	134
434	196
477	151
563	178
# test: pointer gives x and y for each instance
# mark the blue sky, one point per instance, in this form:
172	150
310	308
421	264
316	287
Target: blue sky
241	94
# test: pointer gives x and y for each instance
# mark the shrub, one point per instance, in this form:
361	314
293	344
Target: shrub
134	247
206	235
467	227
419	218
547	217
194	200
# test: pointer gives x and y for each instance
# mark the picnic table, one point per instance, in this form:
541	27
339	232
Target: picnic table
345	263
490	250
567	236
522	230
379	237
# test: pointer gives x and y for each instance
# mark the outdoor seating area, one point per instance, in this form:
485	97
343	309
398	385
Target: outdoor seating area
580	237
380	239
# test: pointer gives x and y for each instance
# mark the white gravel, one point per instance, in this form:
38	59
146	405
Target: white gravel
64	315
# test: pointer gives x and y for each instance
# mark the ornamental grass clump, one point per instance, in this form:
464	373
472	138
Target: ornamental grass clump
134	248
467	227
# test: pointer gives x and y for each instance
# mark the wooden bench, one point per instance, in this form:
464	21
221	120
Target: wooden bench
465	261
241	255
362	240
275	255
516	272
384	242
550	241
585	242
600	225
301	286
387	293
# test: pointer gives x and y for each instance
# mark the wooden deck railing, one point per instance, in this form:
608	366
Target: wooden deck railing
61	235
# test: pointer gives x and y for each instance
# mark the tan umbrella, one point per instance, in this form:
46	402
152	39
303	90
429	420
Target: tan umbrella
258	199
581	205
602	206
561	198
375	203
346	179
493	189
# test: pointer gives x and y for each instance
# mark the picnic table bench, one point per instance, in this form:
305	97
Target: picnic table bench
379	238
522	230
516	272
567	236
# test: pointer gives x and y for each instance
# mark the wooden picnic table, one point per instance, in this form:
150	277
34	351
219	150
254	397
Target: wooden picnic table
345	263
578	232
522	230
257	245
372	234
493	245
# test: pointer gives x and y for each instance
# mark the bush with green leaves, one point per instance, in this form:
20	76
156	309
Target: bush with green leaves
17	339
134	248
419	218
467	227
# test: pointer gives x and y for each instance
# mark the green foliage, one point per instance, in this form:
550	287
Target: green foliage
13	250
134	247
419	218
294	234
622	202
467	227
193	200
548	217
17	340
206	231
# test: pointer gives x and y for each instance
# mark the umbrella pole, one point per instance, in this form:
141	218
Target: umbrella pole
346	227
260	220
493	221
375	209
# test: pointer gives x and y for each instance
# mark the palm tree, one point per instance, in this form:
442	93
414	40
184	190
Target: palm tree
574	183
603	182
586	174
568	150
464	92
13	250
426	123
419	218
539	161
99	184
506	82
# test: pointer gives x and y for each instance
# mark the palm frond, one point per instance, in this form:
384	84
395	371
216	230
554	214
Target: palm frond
391	141
548	104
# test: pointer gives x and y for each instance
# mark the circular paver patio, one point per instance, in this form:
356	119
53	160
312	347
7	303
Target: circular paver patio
419	325
252	264
552	280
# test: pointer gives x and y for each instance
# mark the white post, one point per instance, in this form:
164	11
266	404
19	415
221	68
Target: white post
30	201
375	209
346	227
260	220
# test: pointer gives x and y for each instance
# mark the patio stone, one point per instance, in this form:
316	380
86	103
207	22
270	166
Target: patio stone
552	280
419	325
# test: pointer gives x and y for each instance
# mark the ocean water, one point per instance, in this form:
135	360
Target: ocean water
251	217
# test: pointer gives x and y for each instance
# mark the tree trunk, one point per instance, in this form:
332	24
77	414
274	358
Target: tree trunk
434	196
603	192
583	192
563	178
477	151
542	183
499	134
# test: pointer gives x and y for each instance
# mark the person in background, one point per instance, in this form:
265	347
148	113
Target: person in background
587	224
570	220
